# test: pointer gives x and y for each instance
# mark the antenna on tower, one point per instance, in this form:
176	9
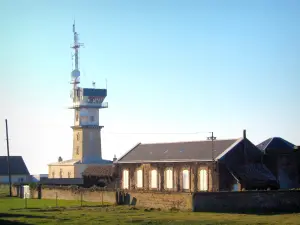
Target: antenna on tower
76	46
106	83
72	59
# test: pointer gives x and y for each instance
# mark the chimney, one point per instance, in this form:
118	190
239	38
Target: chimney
244	134
115	158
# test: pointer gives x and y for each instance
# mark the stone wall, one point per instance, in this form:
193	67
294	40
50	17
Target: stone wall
238	202
75	194
144	199
161	200
247	201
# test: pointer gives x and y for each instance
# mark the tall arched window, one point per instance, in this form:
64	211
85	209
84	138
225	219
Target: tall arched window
125	179
185	179
169	178
203	180
153	178
139	180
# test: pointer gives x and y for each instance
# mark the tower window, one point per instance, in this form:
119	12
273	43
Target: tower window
61	173
53	174
77	150
69	174
77	136
76	116
92	118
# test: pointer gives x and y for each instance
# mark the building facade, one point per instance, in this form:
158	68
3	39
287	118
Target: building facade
189	167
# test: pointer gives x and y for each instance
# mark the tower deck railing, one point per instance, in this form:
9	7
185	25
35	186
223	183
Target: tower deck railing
89	105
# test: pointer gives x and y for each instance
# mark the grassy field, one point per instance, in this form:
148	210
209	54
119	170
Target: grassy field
4	190
12	211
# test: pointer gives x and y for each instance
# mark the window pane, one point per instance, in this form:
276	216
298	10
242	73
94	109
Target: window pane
125	179
169	177
203	180
153	179
140	178
185	179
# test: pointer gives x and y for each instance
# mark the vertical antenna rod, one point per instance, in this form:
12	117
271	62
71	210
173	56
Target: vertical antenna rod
75	73
8	165
76	47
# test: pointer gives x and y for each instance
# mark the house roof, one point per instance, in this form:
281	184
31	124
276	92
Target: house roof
244	161
254	175
241	152
61	181
17	166
100	171
176	151
65	163
276	144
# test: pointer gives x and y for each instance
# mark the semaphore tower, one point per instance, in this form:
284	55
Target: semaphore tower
86	103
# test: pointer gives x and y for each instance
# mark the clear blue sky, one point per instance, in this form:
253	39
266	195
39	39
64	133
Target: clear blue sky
171	66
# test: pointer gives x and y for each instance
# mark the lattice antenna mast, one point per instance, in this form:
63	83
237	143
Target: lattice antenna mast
76	46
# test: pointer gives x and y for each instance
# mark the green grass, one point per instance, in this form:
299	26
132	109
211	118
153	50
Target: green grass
70	212
4	190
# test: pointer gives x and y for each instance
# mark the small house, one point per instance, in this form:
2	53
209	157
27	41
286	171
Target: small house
18	170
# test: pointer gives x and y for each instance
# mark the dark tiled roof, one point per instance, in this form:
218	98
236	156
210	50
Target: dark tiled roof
244	161
178	151
242	152
255	175
62	181
17	165
100	171
276	144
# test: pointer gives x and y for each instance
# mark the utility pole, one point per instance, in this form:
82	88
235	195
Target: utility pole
8	164
212	138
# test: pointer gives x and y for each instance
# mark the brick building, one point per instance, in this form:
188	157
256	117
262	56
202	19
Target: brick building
189	166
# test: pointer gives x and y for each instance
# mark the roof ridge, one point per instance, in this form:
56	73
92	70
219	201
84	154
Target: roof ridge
177	142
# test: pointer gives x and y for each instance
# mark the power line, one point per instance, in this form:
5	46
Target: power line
140	133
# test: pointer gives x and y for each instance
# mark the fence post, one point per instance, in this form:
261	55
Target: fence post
25	195
56	199
102	196
81	198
